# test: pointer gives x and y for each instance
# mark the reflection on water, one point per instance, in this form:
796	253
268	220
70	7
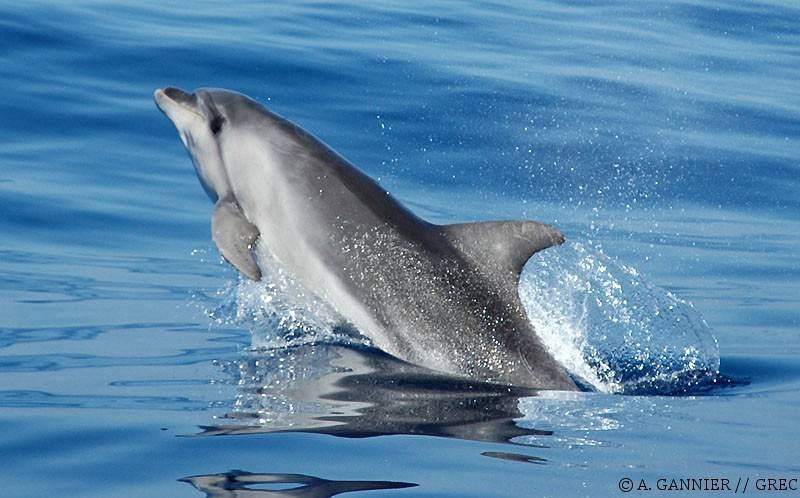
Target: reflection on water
357	392
239	484
514	457
361	392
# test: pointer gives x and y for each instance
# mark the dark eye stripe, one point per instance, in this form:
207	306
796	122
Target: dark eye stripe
216	124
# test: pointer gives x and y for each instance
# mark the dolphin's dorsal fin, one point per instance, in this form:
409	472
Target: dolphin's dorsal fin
502	245
234	236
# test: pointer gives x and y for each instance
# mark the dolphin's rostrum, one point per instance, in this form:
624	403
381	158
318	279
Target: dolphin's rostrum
444	297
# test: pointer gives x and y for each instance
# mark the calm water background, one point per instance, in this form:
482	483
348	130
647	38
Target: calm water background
665	133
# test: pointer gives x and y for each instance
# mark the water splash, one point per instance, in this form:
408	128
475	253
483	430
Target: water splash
612	329
280	312
600	319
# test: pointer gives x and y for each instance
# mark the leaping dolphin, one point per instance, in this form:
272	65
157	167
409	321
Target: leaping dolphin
441	296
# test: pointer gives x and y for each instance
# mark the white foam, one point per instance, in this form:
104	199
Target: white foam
611	328
279	311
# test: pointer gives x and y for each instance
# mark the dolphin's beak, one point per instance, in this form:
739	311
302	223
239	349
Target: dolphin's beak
162	99
174	94
171	97
178	95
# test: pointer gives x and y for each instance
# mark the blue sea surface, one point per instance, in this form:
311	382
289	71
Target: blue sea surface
663	138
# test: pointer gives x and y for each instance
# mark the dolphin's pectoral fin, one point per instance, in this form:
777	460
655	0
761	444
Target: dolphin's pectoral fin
504	245
234	236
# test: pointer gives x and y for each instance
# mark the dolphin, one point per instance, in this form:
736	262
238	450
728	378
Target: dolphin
441	296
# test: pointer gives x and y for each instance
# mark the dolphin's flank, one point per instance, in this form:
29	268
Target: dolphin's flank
444	297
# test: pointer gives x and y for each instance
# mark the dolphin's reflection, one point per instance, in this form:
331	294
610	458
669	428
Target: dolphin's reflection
240	484
359	393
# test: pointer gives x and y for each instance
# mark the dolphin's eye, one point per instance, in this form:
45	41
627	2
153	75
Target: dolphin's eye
216	124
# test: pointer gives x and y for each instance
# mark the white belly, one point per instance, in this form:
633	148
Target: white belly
288	229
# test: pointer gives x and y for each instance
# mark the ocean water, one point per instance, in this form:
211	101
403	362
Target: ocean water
663	138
